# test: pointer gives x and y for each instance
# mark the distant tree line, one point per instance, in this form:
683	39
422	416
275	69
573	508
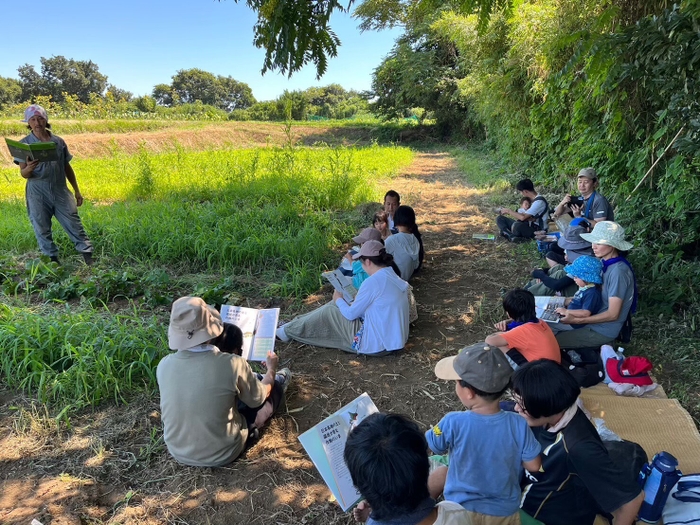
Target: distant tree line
69	83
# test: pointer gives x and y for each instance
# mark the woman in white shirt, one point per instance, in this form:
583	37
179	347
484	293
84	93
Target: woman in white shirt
407	245
376	323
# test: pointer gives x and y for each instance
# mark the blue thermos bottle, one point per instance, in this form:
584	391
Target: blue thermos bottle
657	478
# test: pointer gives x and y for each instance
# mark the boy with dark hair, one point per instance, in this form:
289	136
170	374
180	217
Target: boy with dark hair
524	337
578	478
521	226
392	201
386	457
488	448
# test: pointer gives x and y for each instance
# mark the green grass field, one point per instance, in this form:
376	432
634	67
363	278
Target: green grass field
222	224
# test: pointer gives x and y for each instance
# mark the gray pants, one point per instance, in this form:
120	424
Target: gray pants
579	338
325	327
44	202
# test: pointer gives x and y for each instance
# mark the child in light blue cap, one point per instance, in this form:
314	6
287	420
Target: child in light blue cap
587	273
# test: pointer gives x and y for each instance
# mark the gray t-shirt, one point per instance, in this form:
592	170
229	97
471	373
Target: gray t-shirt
618	281
600	209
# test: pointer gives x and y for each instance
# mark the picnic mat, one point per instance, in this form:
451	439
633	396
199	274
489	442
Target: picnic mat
656	424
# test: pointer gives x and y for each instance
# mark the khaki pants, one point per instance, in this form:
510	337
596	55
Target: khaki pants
477	518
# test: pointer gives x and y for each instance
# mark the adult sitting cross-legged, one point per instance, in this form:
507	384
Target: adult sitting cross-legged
211	402
619	292
591	204
517	226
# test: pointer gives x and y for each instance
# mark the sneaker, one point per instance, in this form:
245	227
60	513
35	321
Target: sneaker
284	376
54	258
87	257
281	335
519	240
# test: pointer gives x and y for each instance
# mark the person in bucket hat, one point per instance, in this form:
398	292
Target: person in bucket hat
374	323
480	438
212	403
586	271
570	245
618	292
591	204
47	194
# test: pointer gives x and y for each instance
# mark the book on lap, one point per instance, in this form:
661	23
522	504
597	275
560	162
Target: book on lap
258	327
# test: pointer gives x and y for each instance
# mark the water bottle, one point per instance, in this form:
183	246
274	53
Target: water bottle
657	478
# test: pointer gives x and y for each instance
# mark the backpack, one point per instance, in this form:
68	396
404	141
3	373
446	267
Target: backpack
625	335
683	504
539	220
584	364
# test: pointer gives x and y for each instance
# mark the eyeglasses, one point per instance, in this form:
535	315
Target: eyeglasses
519	402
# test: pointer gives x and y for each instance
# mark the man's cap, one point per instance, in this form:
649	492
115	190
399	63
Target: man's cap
588	173
482	366
192	322
610	233
368	234
634	370
369	249
33	110
587	268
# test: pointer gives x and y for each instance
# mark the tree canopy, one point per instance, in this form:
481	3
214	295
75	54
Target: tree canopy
61	75
191	85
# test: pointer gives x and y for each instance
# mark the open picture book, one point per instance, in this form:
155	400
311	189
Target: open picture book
258	327
546	305
342	283
325	445
41	151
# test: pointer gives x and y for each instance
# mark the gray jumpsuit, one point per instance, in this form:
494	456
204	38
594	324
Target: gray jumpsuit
47	196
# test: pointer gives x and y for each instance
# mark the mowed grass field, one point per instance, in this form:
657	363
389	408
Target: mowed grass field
230	225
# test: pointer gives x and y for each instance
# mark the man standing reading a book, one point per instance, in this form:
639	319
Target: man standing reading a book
47	193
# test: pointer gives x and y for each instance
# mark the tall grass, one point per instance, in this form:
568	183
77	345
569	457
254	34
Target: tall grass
79	357
271	217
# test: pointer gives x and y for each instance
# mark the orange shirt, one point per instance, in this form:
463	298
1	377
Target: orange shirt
534	341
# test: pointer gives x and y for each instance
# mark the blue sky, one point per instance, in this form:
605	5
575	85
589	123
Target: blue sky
139	44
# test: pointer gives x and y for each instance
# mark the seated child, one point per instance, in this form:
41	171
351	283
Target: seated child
406	245
392	200
525	204
587	272
524	337
231	340
358	274
487	447
386	457
381	223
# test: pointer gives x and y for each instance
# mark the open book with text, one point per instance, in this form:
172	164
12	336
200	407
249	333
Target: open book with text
545	307
258	327
342	283
325	445
41	151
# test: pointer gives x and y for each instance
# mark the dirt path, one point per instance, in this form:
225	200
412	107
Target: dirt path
112	467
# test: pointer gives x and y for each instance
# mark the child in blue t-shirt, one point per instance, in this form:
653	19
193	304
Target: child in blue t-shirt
487	447
587	273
